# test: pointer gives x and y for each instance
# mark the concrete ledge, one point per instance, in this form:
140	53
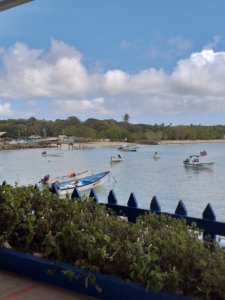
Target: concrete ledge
106	287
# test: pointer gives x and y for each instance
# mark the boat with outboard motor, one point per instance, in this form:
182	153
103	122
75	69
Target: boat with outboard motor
196	162
116	158
82	184
156	155
65	178
127	148
54	154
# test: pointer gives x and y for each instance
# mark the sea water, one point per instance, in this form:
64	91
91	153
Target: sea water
139	174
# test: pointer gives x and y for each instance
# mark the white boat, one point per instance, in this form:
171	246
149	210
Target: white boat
196	162
65	178
156	155
116	158
56	154
82	184
127	148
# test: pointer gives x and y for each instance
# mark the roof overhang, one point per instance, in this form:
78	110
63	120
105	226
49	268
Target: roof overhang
6	4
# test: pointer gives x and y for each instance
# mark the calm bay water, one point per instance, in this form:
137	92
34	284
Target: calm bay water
139	173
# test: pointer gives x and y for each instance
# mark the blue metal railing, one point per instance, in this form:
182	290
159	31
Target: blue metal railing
207	223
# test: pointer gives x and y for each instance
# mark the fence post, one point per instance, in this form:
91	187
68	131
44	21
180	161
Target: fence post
154	205
75	194
93	195
132	202
208	214
112	198
54	189
181	209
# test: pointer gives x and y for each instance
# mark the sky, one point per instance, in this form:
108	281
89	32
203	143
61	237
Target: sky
160	61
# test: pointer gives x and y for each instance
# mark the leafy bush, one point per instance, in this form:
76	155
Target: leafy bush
160	252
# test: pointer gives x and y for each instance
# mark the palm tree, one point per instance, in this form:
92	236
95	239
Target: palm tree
126	118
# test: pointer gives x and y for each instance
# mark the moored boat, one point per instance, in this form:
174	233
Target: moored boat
156	155
127	148
116	158
55	154
65	178
82	184
196	162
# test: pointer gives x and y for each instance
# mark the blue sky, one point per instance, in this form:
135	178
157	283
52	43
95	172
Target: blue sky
160	61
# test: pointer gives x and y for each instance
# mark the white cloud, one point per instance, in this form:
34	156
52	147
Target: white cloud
196	84
180	44
5	109
212	45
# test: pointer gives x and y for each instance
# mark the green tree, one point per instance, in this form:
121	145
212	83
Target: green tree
126	118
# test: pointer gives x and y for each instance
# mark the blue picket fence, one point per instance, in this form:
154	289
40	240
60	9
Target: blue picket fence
207	223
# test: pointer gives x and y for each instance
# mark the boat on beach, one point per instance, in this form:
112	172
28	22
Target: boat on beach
65	178
82	184
195	162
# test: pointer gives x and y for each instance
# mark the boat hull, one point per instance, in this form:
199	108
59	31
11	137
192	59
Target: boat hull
116	159
83	184
200	165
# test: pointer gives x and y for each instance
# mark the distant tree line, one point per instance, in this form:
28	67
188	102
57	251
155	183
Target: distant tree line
109	129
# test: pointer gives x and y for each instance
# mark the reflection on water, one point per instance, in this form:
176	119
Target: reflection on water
197	170
139	173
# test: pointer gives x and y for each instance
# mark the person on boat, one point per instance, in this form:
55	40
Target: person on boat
73	174
45	179
119	156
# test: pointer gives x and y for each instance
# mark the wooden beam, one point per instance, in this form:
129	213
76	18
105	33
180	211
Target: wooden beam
6	4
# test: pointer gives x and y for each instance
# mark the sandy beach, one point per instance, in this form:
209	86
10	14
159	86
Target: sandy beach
191	141
94	144
115	144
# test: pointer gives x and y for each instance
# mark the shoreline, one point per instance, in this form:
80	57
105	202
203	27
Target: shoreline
166	142
94	144
191	141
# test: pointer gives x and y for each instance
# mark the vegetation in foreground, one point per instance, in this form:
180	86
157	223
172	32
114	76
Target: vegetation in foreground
109	129
160	252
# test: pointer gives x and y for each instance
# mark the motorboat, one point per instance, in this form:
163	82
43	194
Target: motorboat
65	178
196	162
54	154
116	158
156	155
128	148
82	184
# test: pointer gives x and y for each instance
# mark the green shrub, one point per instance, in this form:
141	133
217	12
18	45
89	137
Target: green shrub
160	252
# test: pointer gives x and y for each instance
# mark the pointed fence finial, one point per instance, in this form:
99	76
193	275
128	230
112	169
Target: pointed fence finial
208	214
132	202
75	194
181	209
54	189
154	205
93	195
36	186
112	198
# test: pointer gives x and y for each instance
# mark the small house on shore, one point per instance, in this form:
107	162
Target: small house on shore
3	136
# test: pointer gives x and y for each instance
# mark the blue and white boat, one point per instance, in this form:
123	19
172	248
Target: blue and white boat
82	184
128	148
